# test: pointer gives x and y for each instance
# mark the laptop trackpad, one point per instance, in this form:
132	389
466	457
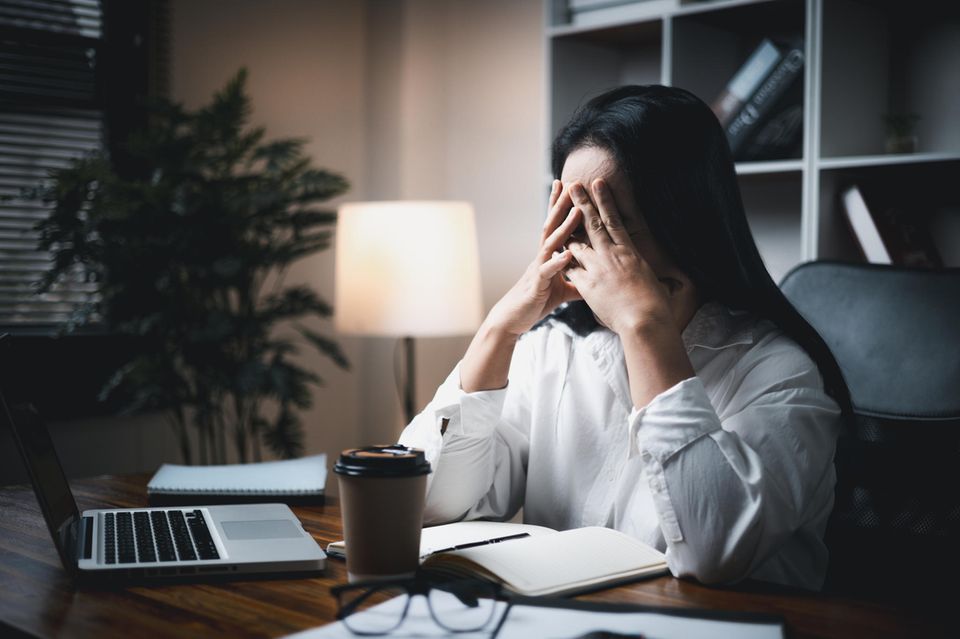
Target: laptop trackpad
261	529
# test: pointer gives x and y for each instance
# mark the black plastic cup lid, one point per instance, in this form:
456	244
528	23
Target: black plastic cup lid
382	461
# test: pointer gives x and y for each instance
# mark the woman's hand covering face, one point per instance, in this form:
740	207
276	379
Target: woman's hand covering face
542	286
610	274
619	270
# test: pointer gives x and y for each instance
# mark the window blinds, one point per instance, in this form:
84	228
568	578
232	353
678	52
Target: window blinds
50	113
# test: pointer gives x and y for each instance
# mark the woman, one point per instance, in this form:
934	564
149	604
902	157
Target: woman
678	397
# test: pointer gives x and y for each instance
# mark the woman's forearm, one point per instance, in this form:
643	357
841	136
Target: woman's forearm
656	360
486	364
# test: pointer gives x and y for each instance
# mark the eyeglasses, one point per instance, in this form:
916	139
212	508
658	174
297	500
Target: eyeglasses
455	606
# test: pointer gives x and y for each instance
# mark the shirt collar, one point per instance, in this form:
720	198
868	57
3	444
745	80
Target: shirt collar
713	327
716	327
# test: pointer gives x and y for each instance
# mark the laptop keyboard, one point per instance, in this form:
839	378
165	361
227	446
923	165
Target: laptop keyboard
158	535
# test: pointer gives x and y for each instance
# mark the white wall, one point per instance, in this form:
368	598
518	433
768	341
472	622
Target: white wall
455	113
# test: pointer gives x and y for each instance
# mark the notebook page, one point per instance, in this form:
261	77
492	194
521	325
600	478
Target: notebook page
567	561
436	538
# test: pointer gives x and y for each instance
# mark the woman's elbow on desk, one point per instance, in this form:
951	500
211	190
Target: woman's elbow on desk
705	567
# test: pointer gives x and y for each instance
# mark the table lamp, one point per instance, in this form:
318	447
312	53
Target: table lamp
407	269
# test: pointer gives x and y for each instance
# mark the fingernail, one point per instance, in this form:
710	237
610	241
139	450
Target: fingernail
577	191
554	186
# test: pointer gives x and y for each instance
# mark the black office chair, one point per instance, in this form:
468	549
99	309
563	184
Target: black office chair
896	334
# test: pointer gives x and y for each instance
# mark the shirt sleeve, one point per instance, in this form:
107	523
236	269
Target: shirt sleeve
478	455
729	492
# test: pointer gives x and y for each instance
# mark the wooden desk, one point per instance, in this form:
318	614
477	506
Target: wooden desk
37	597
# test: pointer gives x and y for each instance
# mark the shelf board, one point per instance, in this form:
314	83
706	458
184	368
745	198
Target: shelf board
773	166
617	32
715	5
644	15
856	161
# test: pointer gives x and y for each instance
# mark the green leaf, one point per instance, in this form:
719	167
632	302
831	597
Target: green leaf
326	346
309	218
289	383
285	436
317	184
295	301
278	154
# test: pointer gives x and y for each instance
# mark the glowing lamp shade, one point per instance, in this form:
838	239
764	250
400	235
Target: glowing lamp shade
407	269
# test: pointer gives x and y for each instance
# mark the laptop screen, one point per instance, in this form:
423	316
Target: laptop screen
49	481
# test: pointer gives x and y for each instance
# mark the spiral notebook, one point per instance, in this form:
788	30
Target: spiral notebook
290	481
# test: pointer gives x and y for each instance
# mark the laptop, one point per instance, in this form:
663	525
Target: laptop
145	544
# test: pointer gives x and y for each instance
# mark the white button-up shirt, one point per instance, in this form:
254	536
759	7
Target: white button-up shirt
730	472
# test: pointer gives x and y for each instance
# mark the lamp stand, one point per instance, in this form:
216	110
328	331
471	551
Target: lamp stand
409	381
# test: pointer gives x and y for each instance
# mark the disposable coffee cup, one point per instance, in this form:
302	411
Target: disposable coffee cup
382	492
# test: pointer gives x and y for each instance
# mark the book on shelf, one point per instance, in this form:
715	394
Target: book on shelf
779	136
887	229
745	81
291	481
534	560
778	92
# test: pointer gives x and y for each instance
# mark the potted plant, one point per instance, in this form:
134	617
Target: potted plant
189	255
901	132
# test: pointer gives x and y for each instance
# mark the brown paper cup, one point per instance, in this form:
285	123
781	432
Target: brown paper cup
382	493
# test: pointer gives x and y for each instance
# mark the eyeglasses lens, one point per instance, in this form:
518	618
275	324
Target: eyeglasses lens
368	611
462	606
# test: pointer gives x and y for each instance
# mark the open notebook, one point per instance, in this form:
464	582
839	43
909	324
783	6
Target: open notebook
544	562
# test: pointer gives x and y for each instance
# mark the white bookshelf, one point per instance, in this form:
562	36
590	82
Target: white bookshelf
887	159
864	58
771	166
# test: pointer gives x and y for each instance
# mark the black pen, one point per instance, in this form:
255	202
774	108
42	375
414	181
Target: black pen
481	543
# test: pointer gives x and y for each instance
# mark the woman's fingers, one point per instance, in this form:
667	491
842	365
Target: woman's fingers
596	231
557	263
560	204
582	253
573	275
609	214
555	189
554	242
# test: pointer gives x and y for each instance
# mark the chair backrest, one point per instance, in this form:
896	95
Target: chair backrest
895	333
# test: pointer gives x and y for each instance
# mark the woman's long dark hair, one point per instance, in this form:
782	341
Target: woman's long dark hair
675	155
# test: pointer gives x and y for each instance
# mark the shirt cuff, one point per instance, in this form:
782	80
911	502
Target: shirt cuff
467	414
671	421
